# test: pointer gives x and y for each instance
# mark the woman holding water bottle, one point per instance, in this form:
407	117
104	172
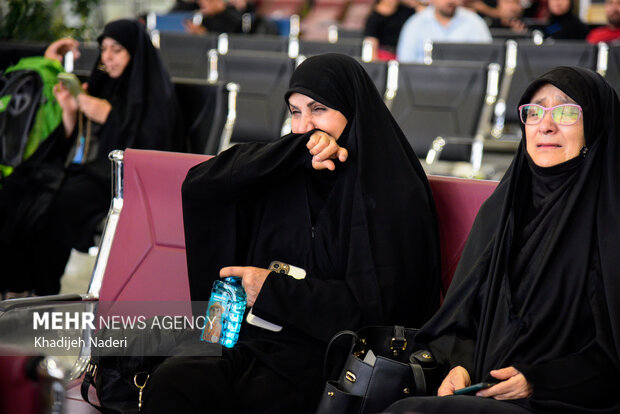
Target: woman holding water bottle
332	227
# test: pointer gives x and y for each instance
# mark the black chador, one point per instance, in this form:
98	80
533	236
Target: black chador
365	234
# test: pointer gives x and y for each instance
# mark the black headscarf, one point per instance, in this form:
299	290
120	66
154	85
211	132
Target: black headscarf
144	109
566	26
371	251
537	284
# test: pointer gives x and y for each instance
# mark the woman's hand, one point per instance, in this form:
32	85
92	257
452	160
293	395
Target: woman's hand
94	108
194	28
252	279
324	149
513	385
64	98
59	48
457	378
69	107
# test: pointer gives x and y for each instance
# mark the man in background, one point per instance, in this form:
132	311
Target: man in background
444	20
610	32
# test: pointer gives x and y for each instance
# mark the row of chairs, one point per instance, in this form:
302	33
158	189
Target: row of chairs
521	63
465	94
454	105
444	99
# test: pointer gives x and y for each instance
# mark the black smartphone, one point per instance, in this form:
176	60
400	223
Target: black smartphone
472	389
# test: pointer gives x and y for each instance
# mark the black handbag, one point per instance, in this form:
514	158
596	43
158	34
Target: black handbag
119	380
383	365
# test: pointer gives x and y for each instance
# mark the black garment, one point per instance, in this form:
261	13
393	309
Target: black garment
239	382
228	21
183	6
537	285
387	28
371	253
566	27
144	115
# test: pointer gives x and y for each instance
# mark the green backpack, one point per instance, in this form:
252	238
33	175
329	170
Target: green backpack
28	109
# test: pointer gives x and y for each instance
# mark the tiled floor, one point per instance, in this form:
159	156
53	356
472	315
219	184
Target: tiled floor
77	273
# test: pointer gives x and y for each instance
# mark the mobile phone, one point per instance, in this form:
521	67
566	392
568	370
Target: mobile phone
472	389
287	269
71	82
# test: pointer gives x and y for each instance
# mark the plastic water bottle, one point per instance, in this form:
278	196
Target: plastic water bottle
225	312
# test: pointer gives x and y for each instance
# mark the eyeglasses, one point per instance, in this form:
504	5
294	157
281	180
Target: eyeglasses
565	114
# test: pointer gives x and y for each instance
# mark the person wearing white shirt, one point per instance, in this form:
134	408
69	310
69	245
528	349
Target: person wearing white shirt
444	20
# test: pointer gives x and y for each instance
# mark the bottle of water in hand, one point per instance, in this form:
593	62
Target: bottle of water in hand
225	312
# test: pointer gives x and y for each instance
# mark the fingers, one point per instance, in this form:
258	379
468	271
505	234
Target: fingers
323	165
232	271
252	279
504	373
457	378
324	148
342	154
513	386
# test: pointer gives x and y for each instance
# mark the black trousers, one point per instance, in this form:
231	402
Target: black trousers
236	382
36	261
455	404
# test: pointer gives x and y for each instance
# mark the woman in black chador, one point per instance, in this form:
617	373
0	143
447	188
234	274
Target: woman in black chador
344	198
535	301
129	103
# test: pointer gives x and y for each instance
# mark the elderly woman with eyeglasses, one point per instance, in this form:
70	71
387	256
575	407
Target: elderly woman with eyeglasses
534	307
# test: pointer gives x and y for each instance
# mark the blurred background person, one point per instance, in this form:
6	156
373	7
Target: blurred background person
510	14
217	17
610	32
384	24
562	23
443	20
128	101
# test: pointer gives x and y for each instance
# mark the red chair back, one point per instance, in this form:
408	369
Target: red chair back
457	201
147	259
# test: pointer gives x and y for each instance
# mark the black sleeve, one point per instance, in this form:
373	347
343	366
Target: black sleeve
319	308
209	190
586	378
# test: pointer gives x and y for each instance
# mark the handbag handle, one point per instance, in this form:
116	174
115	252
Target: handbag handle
339	335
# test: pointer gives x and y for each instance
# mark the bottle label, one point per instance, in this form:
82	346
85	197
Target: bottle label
216	311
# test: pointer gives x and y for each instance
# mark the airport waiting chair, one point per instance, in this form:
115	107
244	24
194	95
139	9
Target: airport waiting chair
263	79
185	55
444	108
89	53
478	52
501	33
254	43
171	22
208	110
457	202
612	67
378	73
280	8
350	47
142	257
12	51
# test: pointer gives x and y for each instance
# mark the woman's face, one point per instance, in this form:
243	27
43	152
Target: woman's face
547	142
114	56
559	7
308	114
